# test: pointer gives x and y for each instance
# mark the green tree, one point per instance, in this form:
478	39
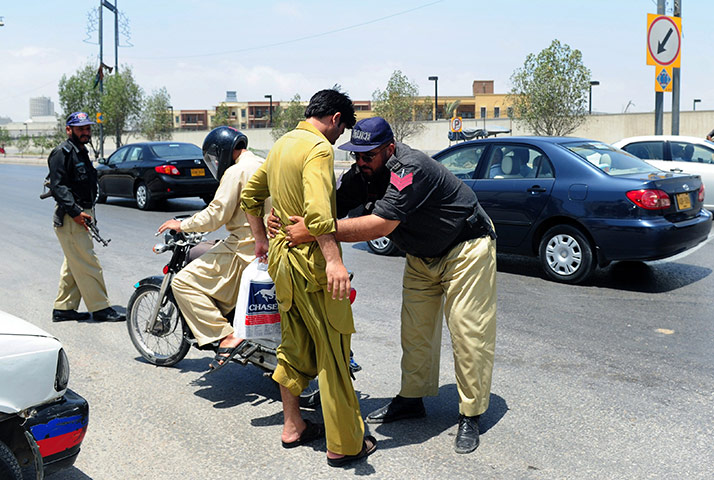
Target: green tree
5	137
156	121
22	143
77	93
45	143
287	118
222	116
399	105
550	91
121	102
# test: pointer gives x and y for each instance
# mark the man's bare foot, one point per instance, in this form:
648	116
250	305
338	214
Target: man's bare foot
226	350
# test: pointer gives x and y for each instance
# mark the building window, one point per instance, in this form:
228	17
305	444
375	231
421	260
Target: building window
496	112
483	112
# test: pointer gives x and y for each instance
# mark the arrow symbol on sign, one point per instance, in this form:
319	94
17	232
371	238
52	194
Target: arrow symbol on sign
660	45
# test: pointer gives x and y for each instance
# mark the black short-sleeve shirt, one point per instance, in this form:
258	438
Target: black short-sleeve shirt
431	204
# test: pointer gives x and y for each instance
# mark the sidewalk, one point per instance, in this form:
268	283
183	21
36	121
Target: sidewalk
37	160
24	160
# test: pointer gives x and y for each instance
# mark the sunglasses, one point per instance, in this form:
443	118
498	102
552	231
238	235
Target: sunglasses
367	157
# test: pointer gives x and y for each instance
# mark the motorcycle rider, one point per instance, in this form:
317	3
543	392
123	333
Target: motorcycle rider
207	288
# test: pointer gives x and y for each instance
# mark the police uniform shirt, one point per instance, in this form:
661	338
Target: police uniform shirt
73	179
430	203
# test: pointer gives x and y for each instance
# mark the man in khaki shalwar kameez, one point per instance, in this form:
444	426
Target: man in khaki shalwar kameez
207	288
312	284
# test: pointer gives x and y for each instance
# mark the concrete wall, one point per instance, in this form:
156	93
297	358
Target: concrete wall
608	128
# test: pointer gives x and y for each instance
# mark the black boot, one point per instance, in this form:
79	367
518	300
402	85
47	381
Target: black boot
399	408
467	436
108	315
64	315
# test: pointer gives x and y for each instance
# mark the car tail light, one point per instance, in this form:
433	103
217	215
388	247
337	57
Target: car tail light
62	373
650	199
167	170
700	197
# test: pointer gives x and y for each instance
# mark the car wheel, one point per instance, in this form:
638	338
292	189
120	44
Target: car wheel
566	255
143	197
9	468
382	246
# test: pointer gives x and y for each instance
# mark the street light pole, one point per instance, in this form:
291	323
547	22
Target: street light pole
270	97
436	96
694	104
590	97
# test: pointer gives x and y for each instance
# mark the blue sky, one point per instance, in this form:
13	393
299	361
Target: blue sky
200	49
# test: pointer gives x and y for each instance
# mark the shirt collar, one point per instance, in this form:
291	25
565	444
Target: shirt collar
305	125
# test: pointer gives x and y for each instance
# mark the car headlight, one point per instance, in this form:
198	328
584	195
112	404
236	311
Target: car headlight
62	374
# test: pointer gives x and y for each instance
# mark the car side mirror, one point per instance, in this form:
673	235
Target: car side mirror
103	161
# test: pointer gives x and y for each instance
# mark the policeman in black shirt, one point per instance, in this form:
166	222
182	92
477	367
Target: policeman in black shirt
450	268
73	184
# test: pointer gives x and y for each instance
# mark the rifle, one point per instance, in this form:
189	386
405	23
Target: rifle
94	232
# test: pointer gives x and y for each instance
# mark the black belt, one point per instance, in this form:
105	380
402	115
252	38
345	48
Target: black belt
468	232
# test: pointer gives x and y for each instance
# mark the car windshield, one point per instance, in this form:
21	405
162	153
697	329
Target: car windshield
609	159
176	150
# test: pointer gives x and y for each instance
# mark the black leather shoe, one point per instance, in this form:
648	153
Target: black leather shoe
64	315
108	315
467	435
399	408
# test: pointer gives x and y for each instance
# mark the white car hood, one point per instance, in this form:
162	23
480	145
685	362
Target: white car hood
28	365
12	325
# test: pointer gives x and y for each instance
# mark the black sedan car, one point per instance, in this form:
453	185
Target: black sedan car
577	204
153	171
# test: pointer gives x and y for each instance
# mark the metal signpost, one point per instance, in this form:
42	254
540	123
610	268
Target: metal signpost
664	48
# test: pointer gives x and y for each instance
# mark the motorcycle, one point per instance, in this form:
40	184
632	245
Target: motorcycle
161	335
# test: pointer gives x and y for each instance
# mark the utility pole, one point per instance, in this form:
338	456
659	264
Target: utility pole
676	80
101	76
659	96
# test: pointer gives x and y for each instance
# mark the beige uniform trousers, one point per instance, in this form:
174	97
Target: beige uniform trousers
207	289
461	286
81	275
311	346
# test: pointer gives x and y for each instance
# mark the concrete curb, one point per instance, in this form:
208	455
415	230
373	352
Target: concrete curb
19	160
35	160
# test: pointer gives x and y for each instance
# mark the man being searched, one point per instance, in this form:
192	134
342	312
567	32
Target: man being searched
311	282
450	268
73	184
207	288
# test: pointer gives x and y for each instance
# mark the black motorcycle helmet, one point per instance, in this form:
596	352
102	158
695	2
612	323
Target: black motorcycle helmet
218	148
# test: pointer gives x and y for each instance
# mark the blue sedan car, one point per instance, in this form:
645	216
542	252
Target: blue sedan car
577	204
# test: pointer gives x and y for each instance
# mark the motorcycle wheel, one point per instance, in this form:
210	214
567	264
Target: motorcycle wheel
310	397
167	344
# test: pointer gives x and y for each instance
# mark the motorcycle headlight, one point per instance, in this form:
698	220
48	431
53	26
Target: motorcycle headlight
160	248
62	374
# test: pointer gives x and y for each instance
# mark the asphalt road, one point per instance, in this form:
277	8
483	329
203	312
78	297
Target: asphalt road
611	379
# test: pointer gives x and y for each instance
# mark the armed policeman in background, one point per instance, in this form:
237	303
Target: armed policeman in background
207	289
73	184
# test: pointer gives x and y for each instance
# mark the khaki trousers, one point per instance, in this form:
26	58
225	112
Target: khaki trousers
311	346
207	289
461	286
81	275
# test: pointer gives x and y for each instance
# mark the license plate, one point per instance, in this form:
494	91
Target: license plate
683	201
198	172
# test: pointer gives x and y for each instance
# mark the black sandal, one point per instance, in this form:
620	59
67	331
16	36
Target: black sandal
313	431
347	459
221	359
